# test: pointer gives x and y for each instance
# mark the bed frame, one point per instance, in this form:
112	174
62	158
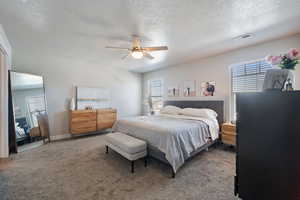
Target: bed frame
217	106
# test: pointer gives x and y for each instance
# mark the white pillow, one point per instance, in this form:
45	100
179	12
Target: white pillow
171	110
201	112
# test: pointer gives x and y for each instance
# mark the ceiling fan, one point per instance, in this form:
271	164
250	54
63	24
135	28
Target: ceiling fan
138	52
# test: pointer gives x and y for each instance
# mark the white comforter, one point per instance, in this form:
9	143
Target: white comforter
175	135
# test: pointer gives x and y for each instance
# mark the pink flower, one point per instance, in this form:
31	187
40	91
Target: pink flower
293	54
274	60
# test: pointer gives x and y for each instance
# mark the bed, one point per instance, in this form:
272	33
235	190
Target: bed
173	139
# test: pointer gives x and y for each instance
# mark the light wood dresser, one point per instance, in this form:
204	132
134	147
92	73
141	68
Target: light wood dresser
106	118
86	121
228	134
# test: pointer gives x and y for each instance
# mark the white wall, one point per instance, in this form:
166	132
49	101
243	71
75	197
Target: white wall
5	43
216	68
4	67
61	77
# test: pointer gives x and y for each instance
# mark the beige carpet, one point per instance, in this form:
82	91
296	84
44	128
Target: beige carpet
80	169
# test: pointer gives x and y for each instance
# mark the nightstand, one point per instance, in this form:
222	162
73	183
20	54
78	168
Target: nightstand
228	134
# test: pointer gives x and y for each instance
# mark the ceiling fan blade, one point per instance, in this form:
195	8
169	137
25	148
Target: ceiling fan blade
160	48
124	57
147	55
121	48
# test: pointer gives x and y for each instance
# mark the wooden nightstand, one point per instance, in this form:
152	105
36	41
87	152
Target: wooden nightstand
228	135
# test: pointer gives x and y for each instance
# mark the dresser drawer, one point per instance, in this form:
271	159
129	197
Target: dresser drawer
84	129
228	128
104	111
229	139
83	121
82	116
228	133
106	118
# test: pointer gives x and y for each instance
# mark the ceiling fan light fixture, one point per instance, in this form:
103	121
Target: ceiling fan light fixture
137	51
137	54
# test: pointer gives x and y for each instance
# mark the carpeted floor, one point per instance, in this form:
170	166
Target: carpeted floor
80	169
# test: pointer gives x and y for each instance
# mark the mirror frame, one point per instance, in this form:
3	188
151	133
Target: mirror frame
12	128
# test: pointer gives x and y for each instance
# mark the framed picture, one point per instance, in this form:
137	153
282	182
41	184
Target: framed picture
173	91
189	88
208	88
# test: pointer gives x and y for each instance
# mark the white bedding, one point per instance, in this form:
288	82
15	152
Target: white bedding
177	136
212	123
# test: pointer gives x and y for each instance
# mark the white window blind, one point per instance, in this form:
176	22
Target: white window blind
156	93
249	77
36	105
156	88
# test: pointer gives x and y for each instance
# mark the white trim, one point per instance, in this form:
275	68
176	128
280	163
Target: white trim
230	108
60	137
5	48
4	151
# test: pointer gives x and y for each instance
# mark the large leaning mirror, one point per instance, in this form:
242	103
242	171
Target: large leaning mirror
29	108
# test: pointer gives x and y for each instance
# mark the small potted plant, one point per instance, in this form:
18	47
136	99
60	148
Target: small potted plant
277	78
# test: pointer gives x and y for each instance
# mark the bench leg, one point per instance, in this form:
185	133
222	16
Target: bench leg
132	166
173	173
106	149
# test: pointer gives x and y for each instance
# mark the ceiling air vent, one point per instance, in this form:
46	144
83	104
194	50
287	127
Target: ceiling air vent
244	36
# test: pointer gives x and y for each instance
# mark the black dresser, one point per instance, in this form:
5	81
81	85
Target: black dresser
268	146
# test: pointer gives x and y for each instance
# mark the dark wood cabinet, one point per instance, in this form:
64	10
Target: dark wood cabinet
268	146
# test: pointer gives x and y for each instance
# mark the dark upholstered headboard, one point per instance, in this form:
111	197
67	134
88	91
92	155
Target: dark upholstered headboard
217	106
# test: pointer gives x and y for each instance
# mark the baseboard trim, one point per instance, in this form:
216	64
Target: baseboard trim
69	135
60	137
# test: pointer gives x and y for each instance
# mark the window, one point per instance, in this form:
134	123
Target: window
247	77
35	105
156	94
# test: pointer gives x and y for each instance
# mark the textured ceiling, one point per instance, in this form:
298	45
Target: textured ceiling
79	30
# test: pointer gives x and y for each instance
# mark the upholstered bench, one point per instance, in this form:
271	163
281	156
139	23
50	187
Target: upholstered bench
129	147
